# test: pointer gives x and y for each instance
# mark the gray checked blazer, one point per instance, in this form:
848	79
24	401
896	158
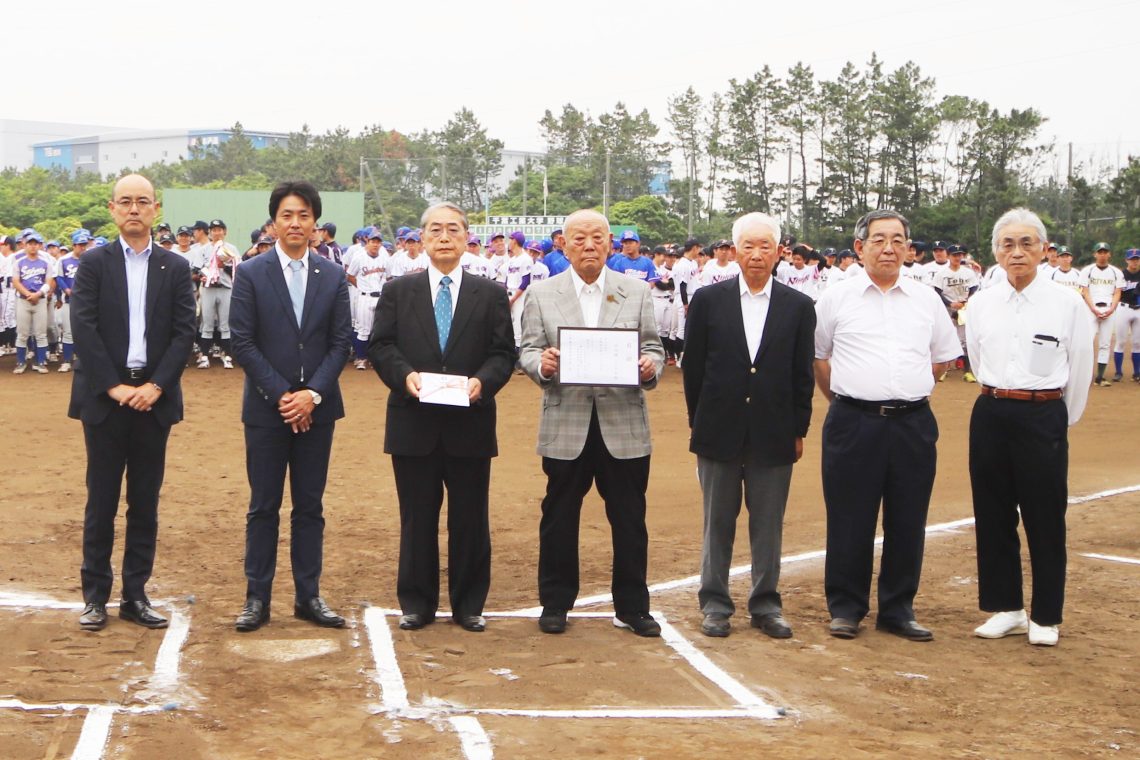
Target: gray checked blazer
622	416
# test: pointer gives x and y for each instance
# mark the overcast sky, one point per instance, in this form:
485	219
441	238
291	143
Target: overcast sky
277	65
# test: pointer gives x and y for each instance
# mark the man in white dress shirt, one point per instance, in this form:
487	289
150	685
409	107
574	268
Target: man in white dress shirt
880	342
1031	344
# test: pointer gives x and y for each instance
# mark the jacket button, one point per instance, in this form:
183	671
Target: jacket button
752	370
300	346
748	399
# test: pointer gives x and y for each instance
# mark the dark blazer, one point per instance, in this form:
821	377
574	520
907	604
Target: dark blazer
99	323
481	344
277	354
734	400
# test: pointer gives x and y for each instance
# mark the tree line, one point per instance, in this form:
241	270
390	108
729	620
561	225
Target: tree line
817	152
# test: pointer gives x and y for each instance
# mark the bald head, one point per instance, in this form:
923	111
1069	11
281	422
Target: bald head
587	242
133	208
134	185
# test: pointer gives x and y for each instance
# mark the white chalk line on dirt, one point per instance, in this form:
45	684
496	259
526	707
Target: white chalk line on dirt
393	692
473	739
792	559
1111	558
93	737
165	676
642	713
70	707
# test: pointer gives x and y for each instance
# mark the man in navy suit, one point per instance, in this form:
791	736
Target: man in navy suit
291	330
133	318
446	322
749	351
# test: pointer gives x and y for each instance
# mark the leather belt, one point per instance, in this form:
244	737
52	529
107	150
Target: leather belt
1015	394
889	408
135	373
373	295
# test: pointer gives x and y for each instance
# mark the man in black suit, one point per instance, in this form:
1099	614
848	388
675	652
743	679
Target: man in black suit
291	330
133	319
445	322
749	349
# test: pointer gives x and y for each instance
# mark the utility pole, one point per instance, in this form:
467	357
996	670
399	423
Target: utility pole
606	189
1069	193
526	162
443	171
692	176
788	223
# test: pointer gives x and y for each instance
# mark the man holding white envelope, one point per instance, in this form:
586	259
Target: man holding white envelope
442	342
590	342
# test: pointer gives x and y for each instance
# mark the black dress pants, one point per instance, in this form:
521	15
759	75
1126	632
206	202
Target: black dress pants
420	481
133	442
1019	459
869	459
621	484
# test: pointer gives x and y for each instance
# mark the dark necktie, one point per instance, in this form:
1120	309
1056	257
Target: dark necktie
443	311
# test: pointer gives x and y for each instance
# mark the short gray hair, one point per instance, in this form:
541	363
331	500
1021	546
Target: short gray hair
864	222
444	204
754	217
1018	215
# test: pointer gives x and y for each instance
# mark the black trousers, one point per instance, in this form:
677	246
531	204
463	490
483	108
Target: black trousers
420	481
269	452
621	484
868	460
1019	458
133	442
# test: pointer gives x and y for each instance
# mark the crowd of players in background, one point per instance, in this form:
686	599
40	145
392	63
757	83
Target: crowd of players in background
36	277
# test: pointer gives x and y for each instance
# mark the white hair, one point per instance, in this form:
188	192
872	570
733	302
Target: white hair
443	204
751	218
1019	216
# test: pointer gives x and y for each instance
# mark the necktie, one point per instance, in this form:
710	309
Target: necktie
443	311
296	294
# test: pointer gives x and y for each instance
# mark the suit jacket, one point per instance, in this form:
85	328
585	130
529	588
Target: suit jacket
277	354
100	325
738	405
481	344
566	410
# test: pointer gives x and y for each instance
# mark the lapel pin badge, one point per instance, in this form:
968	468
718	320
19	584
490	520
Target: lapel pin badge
611	299
316	271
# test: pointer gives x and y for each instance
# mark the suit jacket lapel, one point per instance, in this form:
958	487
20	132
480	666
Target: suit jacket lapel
118	272
772	322
281	288
568	304
422	306
315	282
735	320
463	310
155	277
613	296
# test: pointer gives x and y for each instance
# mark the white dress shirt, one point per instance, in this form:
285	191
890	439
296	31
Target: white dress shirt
283	259
434	277
137	264
589	296
754	310
881	345
1038	339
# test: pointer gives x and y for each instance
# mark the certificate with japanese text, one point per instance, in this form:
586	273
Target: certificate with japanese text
598	356
449	390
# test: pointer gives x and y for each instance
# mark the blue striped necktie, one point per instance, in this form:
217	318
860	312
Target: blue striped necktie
443	311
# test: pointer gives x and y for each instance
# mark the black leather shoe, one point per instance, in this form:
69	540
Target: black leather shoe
716	625
94	617
473	623
316	611
842	628
552	620
909	630
415	621
641	623
253	615
142	614
773	624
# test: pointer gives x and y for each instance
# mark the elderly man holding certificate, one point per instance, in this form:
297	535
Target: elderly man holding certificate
442	342
576	344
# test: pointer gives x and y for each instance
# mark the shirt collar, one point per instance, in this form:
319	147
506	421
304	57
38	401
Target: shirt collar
144	253
283	259
434	275
580	284
1029	292
905	284
766	291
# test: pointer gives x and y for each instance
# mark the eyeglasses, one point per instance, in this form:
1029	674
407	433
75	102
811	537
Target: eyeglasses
126	203
1027	244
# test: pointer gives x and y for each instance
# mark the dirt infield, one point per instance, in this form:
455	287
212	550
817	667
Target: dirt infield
292	690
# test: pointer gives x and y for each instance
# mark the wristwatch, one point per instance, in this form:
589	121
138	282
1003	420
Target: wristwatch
316	397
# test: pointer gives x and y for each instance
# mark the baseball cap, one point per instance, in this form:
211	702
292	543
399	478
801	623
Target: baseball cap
829	251
957	249
547	245
374	234
555	231
8	240
495	236
534	245
630	235
518	237
100	240
1051	247
80	236
412	235
474	240
65	249
52	244
254	235
265	240
1064	251
616	245
722	243
183	230
25	232
166	237
402	232
846	253
330	228
200	225
690	243
33	235
1101	247
918	245
217	223
163	226
1132	253
939	244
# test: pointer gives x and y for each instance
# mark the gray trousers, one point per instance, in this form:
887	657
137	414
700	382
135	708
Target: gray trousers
765	493
32	322
215	303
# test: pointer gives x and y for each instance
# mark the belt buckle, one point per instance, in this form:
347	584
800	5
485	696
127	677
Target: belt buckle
135	373
883	409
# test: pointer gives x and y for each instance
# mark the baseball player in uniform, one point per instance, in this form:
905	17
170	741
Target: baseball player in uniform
1101	285
685	273
517	268
799	276
64	282
719	268
662	291
1065	274
472	261
941	259
956	283
1128	316
410	260
366	272
34	282
7	296
217	287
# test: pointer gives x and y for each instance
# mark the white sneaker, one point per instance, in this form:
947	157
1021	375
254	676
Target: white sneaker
65	367
1003	624
41	368
20	369
359	364
1043	635
203	362
227	363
